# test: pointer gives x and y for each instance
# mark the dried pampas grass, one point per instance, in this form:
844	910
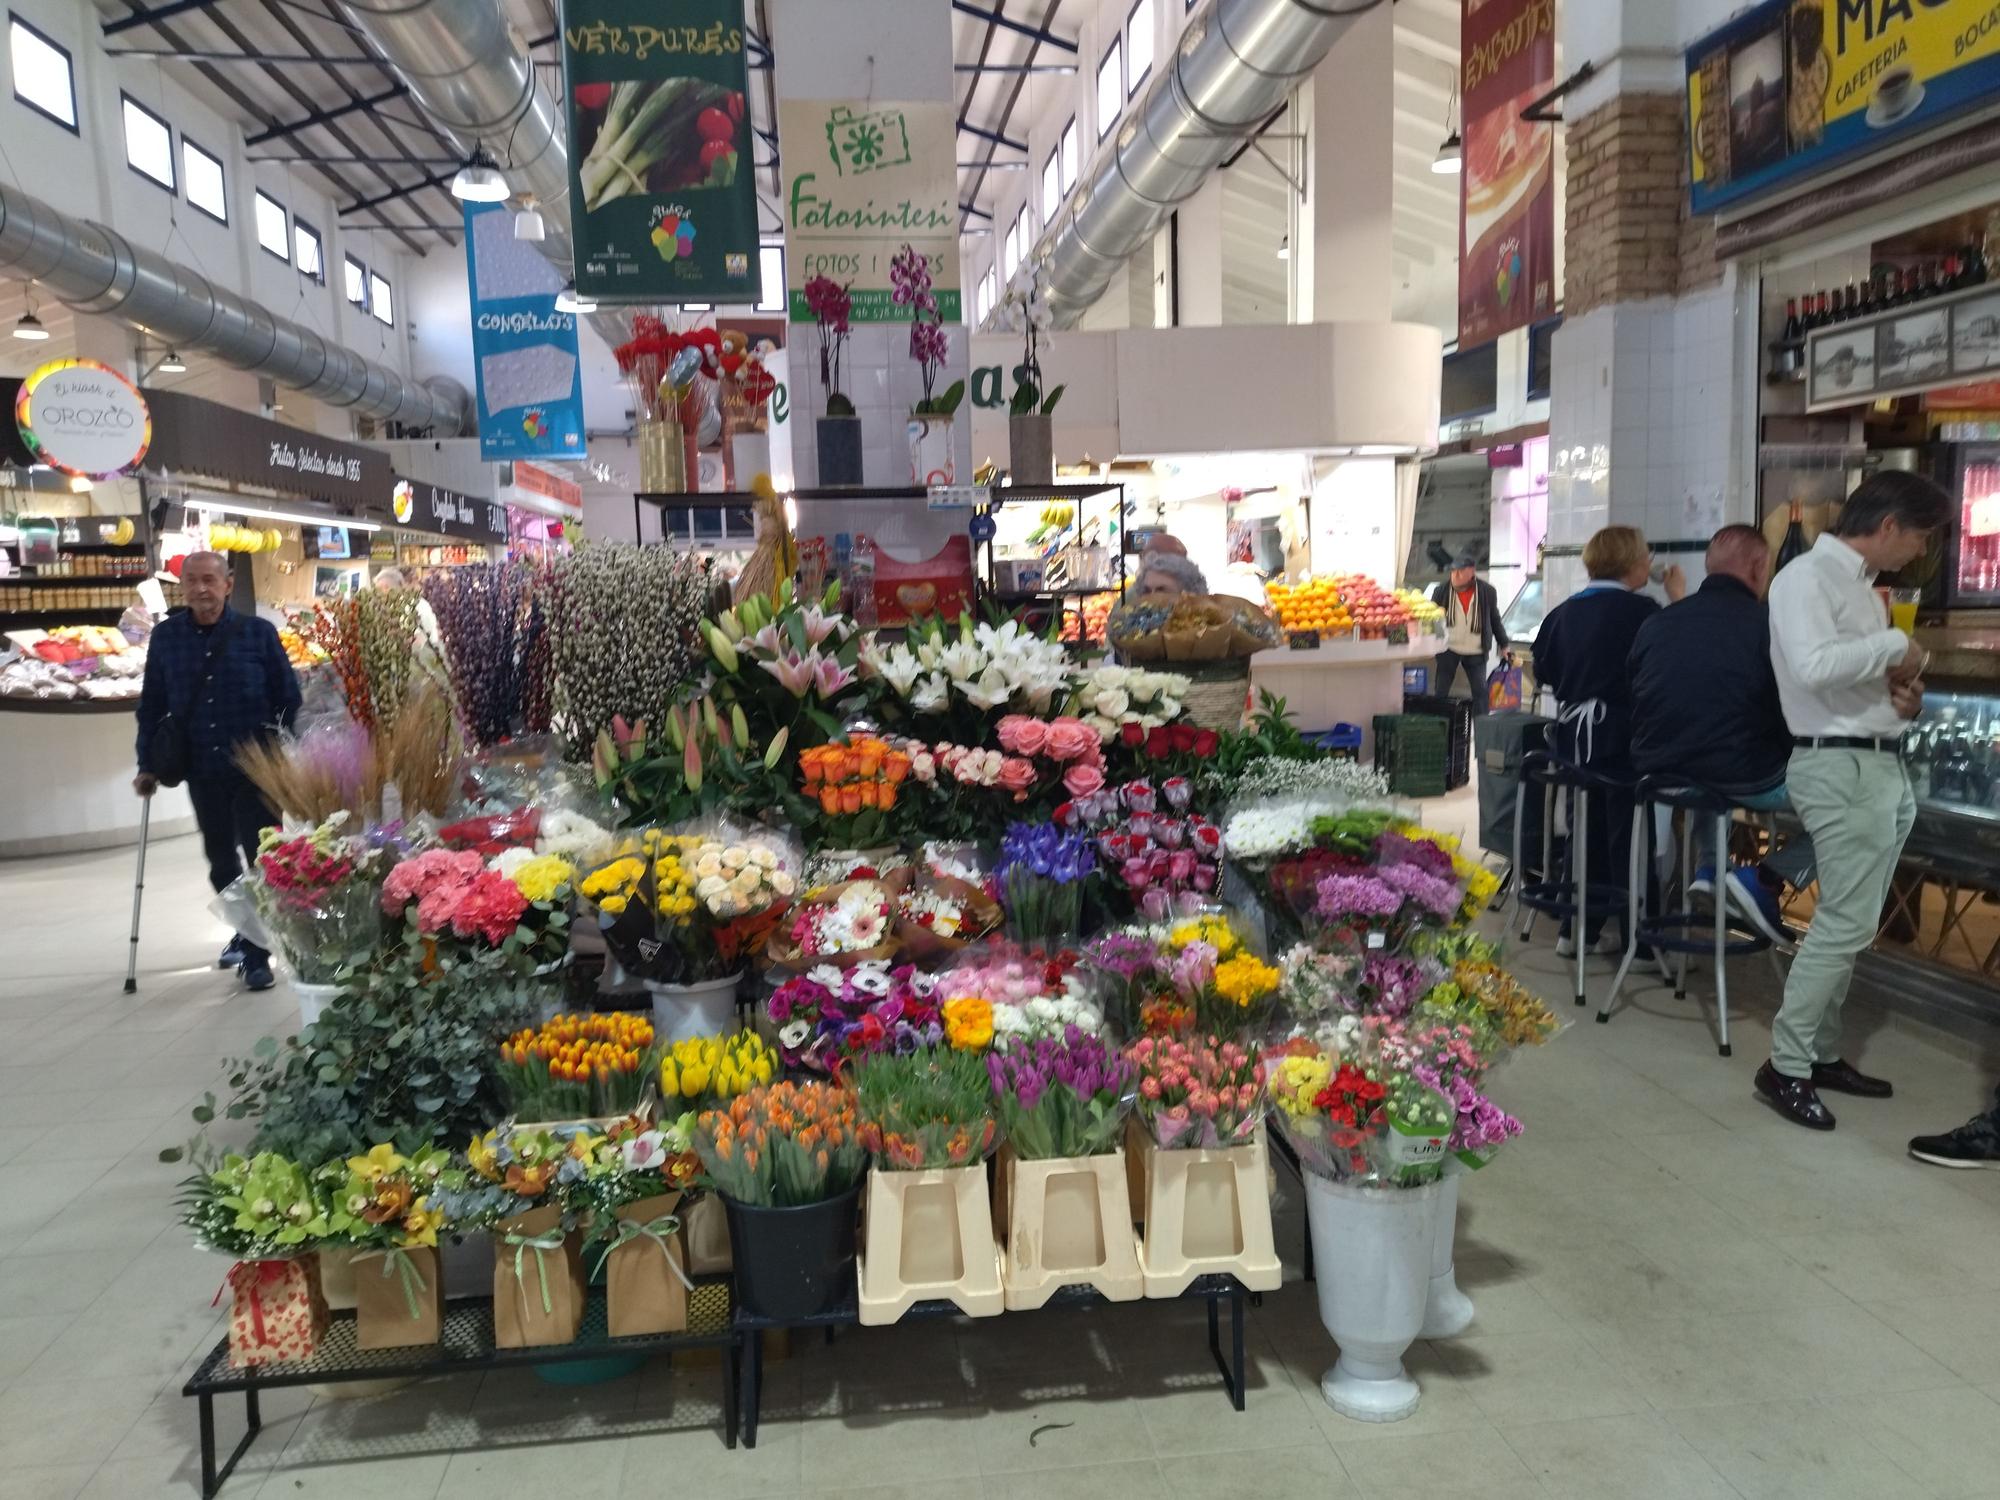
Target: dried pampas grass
343	768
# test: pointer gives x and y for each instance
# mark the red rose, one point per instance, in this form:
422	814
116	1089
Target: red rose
1205	742
1131	735
1159	742
1183	737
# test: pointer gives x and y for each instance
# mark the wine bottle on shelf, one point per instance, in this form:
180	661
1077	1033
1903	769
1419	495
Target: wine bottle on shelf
1930	285
1852	301
1975	265
1821	316
1868	297
1794	544
1793	330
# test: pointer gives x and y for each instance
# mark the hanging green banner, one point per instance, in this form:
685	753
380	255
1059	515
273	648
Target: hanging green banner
663	203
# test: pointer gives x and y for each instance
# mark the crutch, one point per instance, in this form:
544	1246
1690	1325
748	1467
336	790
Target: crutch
138	891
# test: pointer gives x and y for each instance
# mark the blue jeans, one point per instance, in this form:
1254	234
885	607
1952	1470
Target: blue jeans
1793	863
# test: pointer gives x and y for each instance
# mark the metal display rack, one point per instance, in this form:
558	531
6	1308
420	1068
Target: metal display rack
465	1346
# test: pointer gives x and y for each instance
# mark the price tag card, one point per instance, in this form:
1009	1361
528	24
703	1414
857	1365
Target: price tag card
1304	640
955	496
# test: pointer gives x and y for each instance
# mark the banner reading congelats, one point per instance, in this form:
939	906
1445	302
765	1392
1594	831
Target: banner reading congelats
1507	196
524	356
662	191
1793	87
863	179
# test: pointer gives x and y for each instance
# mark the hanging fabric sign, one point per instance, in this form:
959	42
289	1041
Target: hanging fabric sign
663	202
1507	201
862	180
524	357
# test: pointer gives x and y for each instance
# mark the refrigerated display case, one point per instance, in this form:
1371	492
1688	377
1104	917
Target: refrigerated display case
1971	471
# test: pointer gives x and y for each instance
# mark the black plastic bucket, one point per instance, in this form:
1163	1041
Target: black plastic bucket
793	1263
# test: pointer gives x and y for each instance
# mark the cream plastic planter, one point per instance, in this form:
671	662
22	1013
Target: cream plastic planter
1069	1222
1207	1213
313	999
682	1011
930	451
1372	1259
928	1236
1447	1310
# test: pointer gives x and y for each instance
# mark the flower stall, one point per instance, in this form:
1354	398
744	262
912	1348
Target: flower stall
725	921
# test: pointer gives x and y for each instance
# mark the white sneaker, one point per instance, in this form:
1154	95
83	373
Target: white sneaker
1565	947
1608	943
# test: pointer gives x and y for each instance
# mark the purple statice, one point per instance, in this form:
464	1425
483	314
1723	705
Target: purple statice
1439	898
1061	1096
1346	897
1399	849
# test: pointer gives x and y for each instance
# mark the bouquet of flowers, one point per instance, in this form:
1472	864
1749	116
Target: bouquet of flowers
1316	985
634	1159
1124	968
451	899
1197	1094
546	883
965	794
701	1072
1161	856
1361	912
932	1108
517	1169
262	1207
1002	993
782	1146
949	684
1444	1059
1354	1111
384	1200
681	908
855	786
1061	1096
1043	871
578	1066
1068	746
937	915
830	1013
1230	990
316	894
1169	749
844	924
1108	698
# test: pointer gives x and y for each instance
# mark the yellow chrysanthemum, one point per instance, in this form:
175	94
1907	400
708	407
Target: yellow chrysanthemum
1244	979
544	877
968	1023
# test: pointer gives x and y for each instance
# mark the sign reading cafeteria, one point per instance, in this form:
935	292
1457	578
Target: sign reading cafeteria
663	202
1792	87
863	179
1507	196
83	418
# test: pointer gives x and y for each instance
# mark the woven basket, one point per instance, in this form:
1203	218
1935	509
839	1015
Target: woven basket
1216	698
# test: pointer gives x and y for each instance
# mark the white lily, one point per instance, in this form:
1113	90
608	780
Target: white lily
989	690
930	695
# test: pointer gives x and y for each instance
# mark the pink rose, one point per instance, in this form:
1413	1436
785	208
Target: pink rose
1017	776
1081	780
1071	739
1022	735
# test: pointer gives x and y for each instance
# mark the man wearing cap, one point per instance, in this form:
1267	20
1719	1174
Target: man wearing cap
1472	624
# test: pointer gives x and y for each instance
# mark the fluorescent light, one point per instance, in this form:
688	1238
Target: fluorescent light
479	181
570	301
1450	156
173	364
30	327
528	225
218	506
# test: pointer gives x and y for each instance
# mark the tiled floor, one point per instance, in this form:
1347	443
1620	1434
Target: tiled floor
1679	1295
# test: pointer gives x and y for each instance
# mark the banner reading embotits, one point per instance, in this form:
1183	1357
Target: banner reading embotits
663	203
524	359
1793	86
863	179
1507	196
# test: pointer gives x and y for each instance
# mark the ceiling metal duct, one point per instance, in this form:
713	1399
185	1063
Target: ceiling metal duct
97	270
1236	63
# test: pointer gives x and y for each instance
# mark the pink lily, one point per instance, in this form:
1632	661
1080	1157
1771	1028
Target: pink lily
769	640
818	624
830	678
793	671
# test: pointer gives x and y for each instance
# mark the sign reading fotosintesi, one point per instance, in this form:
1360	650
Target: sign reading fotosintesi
83	418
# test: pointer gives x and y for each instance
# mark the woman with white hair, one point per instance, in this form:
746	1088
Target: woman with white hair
1167	570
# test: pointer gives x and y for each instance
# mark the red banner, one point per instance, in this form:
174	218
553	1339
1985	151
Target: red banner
1507	196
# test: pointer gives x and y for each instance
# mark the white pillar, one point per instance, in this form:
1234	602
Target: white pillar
1350	157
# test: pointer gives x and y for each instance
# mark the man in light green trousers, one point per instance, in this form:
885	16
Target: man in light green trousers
1849	682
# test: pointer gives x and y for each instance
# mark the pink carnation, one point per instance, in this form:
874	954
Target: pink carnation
490	908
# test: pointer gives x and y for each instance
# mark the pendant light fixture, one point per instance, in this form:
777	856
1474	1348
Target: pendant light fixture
528	223
1450	158
29	326
479	180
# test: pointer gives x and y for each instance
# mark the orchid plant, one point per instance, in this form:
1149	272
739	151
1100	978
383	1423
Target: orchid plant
910	286
1027	312
831	305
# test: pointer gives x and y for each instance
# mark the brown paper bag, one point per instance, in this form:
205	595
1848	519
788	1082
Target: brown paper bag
706	1231
538	1285
277	1313
398	1298
645	1275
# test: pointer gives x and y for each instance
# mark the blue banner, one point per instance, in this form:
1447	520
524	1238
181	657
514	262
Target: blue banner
524	355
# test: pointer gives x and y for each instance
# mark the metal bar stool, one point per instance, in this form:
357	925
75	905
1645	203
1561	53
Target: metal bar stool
1686	931
1569	894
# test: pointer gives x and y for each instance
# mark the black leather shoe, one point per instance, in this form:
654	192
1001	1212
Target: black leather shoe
1794	1098
1844	1078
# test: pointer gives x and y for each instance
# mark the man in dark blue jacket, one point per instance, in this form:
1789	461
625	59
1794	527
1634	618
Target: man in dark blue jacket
1705	706
225	679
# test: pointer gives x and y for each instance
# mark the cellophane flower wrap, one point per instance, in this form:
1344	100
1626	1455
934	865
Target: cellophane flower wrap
701	1072
1061	1096
316	894
1197	1094
850	923
1353	1108
1126	974
938	915
782	1146
925	1109
1228	989
579	1066
832	1012
1159	856
1043	874
683	908
1002	992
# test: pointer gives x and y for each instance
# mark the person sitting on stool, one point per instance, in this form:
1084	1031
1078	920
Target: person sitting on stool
1849	683
1471	626
1705	707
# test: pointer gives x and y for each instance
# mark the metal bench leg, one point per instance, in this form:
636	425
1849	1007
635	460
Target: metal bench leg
1641	849
1580	851
1687	903
1722	939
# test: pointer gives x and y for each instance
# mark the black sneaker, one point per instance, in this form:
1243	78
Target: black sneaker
257	974
1976	1143
232	956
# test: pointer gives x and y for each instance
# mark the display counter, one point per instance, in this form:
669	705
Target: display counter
1340	681
66	770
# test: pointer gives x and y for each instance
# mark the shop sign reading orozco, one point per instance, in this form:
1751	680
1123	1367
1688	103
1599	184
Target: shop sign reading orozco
83	418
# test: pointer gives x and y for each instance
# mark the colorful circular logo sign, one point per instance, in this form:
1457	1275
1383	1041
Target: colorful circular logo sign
83	418
403	501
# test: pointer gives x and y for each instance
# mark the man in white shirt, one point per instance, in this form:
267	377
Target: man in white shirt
1848	683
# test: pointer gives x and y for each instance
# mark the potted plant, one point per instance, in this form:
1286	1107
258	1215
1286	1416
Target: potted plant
316	892
927	1121
931	460
1062	1189
838	433
1030	413
385	1210
787	1161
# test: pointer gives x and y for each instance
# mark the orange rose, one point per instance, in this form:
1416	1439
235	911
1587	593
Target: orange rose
829	799
850	799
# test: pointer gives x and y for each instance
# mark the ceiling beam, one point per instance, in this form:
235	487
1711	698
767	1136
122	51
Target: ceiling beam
171	54
1021	28
159	13
325	116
